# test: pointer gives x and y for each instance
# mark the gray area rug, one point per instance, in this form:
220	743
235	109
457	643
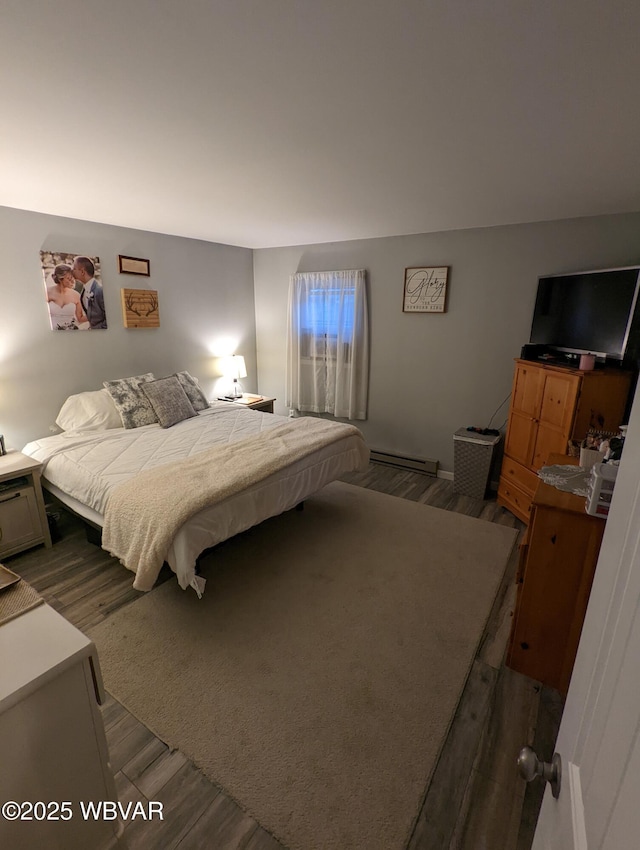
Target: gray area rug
316	680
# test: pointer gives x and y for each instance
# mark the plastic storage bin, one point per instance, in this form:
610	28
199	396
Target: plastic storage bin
600	489
472	459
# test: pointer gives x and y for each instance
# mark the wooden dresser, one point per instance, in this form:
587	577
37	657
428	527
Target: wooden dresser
557	561
551	405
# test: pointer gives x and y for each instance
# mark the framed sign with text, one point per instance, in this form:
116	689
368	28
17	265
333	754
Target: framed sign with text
425	289
133	265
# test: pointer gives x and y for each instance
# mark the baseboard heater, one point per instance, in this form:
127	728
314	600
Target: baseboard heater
416	464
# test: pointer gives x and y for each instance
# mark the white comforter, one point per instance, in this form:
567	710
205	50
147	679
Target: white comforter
87	466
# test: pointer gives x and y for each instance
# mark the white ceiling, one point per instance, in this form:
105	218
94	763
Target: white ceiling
283	122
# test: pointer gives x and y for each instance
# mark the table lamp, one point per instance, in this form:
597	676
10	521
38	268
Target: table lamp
234	370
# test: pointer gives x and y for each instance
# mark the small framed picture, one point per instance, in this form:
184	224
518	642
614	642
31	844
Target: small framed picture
3	450
133	265
425	289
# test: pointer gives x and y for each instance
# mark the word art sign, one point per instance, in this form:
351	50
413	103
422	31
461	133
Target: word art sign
425	289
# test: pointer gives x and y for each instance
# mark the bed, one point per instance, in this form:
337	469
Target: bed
247	466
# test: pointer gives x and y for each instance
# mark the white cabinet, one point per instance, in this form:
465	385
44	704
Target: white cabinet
53	747
23	519
19	521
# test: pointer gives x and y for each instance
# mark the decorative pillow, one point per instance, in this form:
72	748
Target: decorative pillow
168	400
192	388
92	411
132	404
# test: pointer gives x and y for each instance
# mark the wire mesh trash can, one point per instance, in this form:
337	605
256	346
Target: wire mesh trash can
472	460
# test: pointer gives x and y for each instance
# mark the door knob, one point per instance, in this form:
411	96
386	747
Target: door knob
530	766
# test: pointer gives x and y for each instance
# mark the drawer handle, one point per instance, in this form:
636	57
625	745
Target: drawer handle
8	499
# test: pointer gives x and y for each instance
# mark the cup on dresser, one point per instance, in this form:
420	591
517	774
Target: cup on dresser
589	457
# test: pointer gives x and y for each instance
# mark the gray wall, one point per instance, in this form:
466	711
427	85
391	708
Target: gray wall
434	373
206	307
430	374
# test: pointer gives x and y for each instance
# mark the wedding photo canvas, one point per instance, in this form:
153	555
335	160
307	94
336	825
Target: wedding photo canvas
73	291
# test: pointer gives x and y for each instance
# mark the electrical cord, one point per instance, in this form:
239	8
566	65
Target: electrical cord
496	411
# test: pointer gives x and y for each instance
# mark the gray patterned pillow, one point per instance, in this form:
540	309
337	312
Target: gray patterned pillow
192	388
132	404
168	400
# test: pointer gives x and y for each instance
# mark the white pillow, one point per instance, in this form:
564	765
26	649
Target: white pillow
94	411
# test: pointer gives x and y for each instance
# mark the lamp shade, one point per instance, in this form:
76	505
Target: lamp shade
234	367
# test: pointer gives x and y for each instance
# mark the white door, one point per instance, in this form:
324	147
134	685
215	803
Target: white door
599	738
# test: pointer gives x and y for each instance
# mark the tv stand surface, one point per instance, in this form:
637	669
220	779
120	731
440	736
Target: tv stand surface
543	355
551	358
535	353
571	361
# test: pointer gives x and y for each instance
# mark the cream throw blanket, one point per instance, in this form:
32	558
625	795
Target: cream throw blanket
143	515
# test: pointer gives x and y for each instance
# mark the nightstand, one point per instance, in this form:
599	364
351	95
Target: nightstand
265	403
23	519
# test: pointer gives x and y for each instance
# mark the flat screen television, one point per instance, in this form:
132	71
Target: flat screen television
588	312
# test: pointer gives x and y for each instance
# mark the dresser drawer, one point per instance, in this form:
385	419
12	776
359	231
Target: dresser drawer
515	499
19	520
519	475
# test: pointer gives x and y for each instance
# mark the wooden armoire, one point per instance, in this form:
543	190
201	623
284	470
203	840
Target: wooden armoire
551	405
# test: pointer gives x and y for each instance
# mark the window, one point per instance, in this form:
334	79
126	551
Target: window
326	314
328	343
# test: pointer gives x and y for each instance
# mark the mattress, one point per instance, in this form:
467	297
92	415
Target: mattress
81	469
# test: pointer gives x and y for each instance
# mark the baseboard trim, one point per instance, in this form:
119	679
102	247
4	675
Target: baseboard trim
427	466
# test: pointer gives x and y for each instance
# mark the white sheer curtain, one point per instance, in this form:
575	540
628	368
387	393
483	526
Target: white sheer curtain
328	343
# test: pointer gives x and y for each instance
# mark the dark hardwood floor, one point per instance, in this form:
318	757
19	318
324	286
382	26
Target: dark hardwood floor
475	800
